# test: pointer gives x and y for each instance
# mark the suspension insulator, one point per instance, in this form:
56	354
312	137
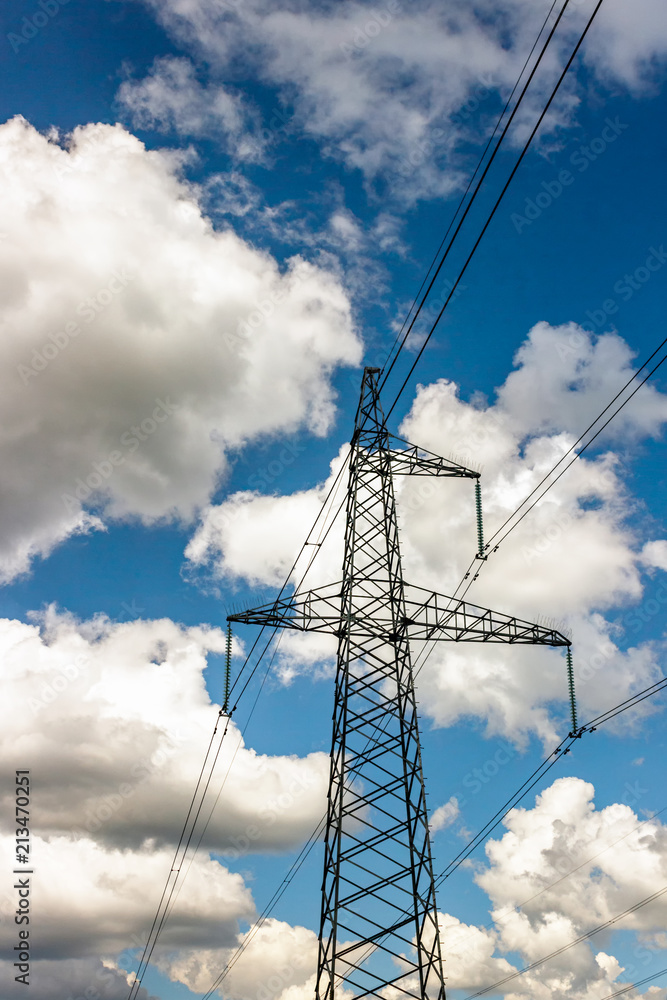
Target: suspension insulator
570	684
228	666
480	523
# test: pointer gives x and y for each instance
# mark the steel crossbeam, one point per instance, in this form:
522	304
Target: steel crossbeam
429	616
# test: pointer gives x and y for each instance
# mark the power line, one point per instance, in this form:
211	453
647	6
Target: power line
540	771
427	652
502	193
587	445
641	982
224	781
275	898
563	748
462	202
625	705
579	439
500	918
167	892
165	908
530	782
548	763
316	547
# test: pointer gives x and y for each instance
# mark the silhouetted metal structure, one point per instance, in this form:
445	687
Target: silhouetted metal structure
379	924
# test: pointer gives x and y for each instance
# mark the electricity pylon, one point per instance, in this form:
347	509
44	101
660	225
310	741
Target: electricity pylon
379	925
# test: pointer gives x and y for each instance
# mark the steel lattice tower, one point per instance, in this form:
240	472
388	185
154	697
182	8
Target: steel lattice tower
379	929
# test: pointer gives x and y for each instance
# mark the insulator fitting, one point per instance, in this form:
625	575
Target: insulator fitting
228	666
480	523
570	684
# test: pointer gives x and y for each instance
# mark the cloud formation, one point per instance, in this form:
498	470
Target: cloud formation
137	340
394	90
563	868
115	721
171	98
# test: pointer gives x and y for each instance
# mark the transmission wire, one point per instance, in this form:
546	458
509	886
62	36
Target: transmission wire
641	982
429	335
502	194
159	921
459	597
148	949
462	202
541	118
545	766
579	439
296	865
504	915
224	780
499	816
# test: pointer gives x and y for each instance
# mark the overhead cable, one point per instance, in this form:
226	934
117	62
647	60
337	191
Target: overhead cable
502	193
459	207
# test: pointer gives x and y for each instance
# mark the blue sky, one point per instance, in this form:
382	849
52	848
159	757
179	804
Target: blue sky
213	215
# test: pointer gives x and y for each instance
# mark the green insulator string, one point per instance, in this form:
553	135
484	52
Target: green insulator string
480	523
570	684
228	666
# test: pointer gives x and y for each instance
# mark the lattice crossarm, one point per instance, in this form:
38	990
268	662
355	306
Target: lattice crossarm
412	463
311	611
430	615
416	461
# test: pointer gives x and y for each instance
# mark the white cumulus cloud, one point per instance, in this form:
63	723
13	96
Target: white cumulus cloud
115	721
137	340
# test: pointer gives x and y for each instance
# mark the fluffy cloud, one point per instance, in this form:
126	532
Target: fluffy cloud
563	868
136	340
277	957
532	575
97	902
564	377
278	524
71	979
654	555
338	65
468	952
114	721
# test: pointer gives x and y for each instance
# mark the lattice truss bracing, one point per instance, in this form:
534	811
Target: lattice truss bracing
378	932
